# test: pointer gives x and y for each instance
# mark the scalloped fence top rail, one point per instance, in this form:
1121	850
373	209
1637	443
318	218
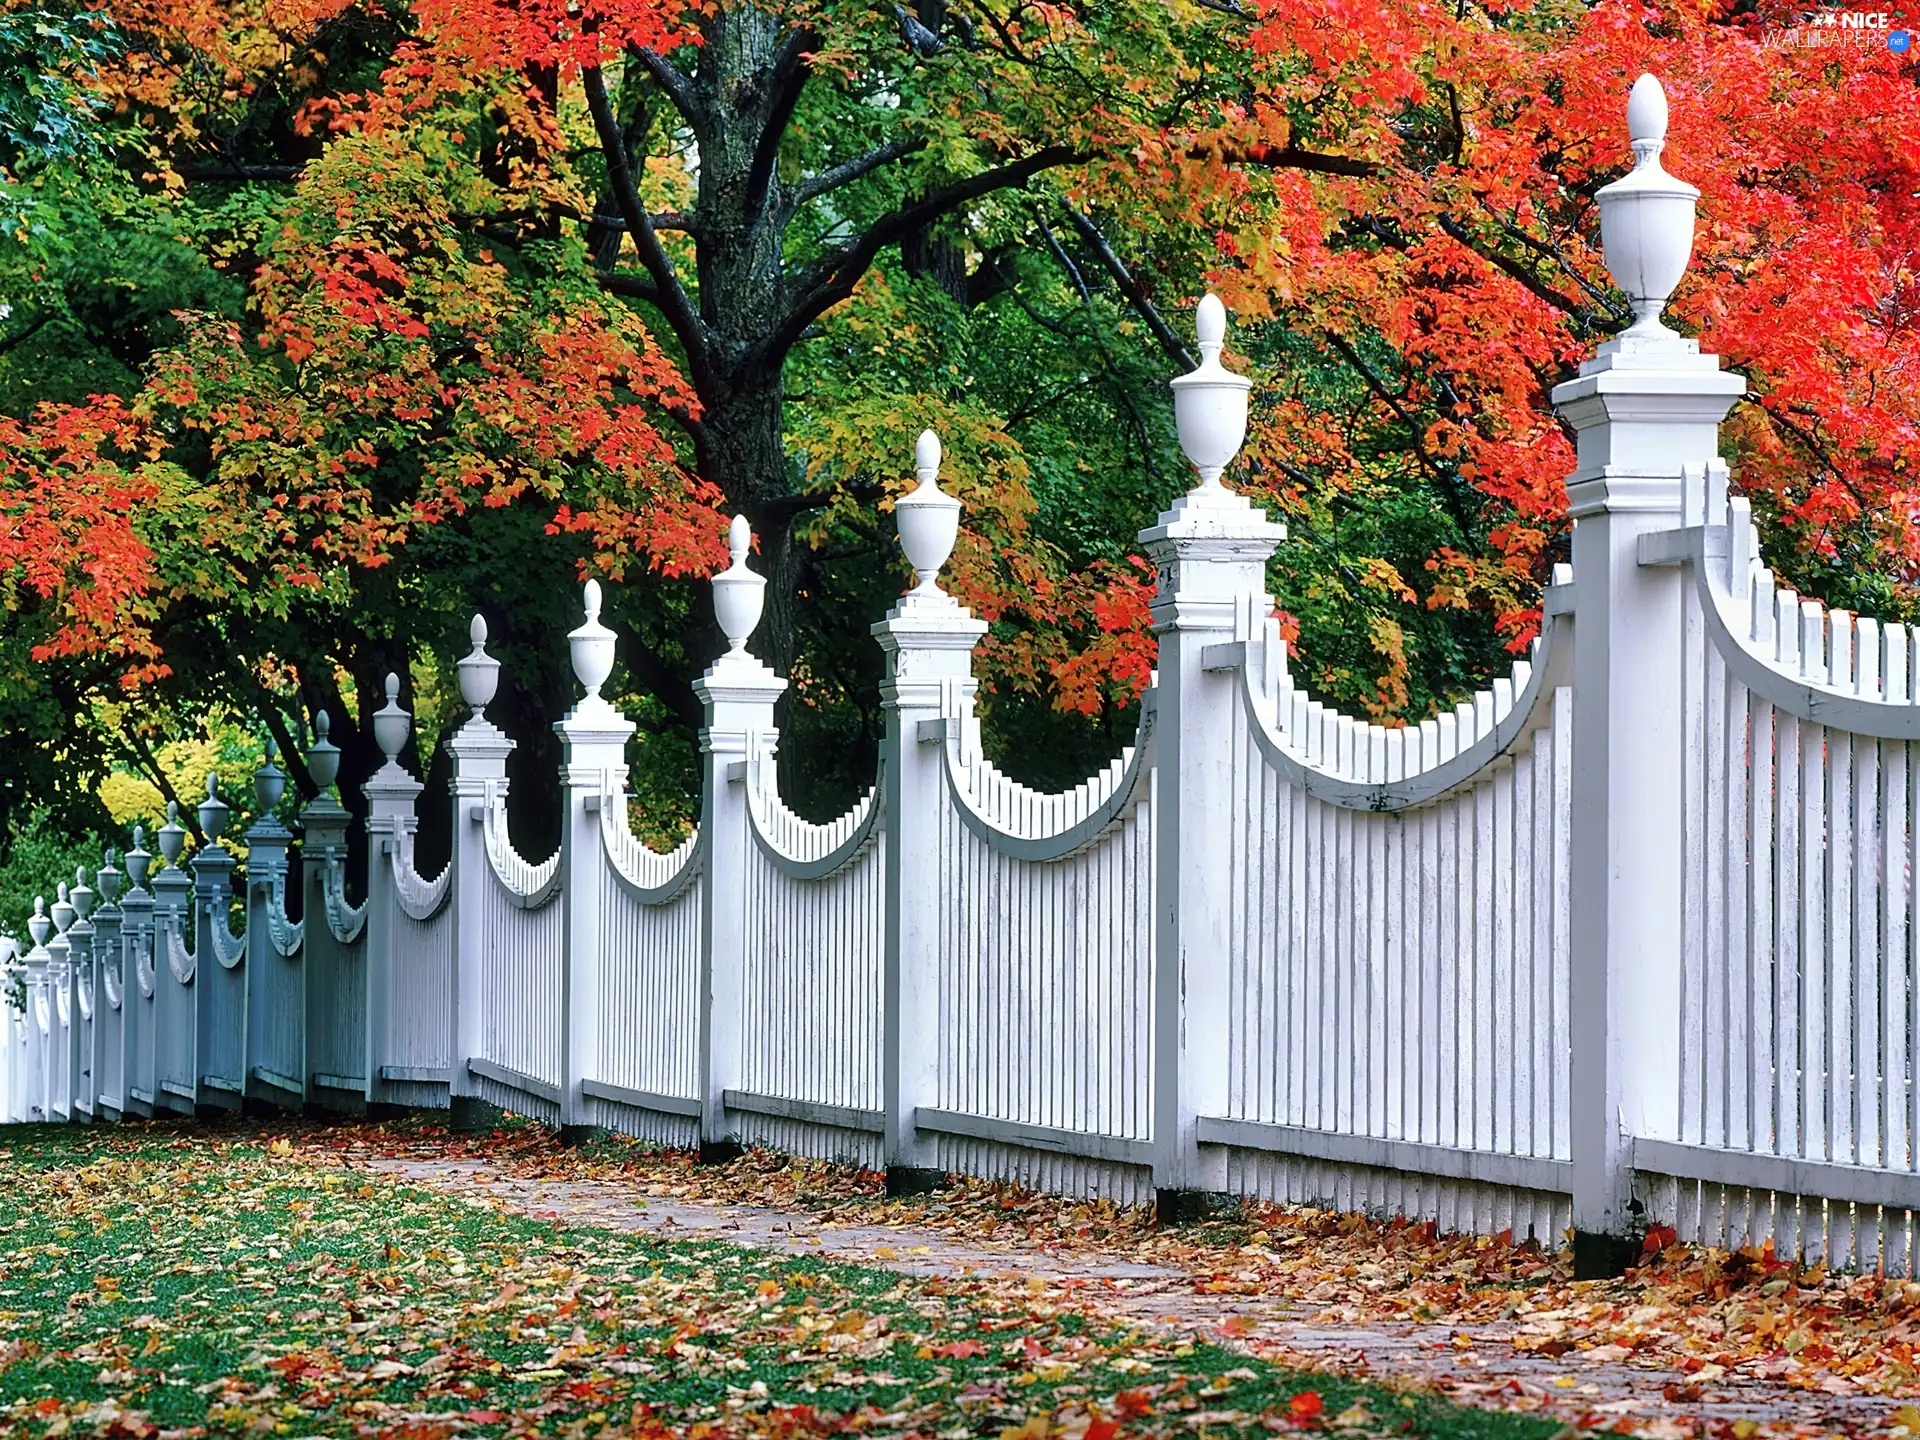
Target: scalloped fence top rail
1627	938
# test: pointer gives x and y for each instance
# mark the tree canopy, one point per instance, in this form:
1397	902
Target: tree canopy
327	322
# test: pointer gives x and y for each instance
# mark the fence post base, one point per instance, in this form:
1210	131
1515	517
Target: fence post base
470	1115
1190	1207
1598	1256
903	1180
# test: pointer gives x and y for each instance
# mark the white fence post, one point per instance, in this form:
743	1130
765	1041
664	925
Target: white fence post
480	749
1211	550
594	771
333	1063
85	970
1646	409
174	1030
137	1078
271	1066
391	793
60	983
738	693
220	1004
928	639
35	1080
109	998
13	1031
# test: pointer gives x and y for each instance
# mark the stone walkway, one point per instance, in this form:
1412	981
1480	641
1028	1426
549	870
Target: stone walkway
1480	1367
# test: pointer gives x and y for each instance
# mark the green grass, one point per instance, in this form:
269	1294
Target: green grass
152	1280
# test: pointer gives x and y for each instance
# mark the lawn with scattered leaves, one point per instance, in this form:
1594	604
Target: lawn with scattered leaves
157	1283
1705	1313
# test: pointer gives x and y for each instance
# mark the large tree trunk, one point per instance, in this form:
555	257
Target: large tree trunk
745	455
741	293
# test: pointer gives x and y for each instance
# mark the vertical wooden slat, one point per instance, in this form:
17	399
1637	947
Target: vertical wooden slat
1865	861
1693	864
1813	911
1715	861
1894	890
1528	1021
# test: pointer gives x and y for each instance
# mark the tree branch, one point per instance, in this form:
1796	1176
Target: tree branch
679	93
686	220
1292	157
814	186
782	509
831	278
671	298
1514	270
292	760
145	758
1387	397
789	76
619	282
232	172
1130	287
27	334
1811	443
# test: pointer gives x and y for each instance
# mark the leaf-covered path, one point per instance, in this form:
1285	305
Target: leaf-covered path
1660	1353
1478	1364
362	1280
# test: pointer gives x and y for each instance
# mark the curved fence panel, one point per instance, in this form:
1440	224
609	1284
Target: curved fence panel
810	988
1799	1112
521	985
1400	1029
650	1017
1045	974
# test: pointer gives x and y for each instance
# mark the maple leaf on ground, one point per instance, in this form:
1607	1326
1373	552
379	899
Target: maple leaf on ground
1306	1407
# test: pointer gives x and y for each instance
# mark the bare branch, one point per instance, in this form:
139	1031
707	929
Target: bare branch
1130	287
845	173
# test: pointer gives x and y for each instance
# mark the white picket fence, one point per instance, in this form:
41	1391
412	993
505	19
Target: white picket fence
1626	938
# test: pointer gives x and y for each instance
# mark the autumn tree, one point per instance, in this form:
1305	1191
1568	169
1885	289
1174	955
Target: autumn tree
561	283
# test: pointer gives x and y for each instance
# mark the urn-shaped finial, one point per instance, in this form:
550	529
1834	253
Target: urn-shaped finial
479	672
927	517
107	879
173	835
138	859
323	756
63	911
213	811
591	645
269	781
391	724
82	895
1210	401
39	926
739	595
1646	217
